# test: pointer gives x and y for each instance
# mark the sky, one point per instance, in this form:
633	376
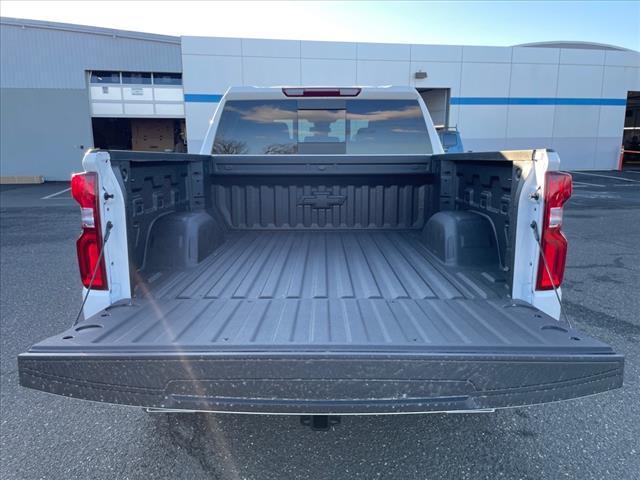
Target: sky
501	23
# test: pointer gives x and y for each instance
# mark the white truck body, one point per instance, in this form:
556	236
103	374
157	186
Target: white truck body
322	255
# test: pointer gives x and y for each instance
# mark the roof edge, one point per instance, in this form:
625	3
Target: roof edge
71	27
155	37
578	45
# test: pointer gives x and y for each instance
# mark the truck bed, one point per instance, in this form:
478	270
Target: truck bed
292	290
302	286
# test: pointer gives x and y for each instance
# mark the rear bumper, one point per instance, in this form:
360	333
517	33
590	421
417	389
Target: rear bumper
294	383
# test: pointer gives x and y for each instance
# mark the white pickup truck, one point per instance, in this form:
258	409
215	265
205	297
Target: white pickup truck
321	256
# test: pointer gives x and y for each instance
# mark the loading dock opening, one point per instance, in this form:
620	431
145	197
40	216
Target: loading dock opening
139	134
631	134
437	101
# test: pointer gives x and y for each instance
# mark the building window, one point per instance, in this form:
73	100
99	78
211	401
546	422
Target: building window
105	77
167	79
137	78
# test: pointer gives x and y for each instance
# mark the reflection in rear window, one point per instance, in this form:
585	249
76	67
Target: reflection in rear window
271	127
257	127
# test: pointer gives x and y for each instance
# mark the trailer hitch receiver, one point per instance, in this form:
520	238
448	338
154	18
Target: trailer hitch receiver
319	422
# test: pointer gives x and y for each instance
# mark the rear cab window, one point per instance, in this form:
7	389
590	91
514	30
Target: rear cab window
277	127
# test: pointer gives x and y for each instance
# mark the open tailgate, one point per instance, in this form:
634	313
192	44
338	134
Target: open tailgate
183	354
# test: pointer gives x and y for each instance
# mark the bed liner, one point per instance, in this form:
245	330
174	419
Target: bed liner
317	290
322	323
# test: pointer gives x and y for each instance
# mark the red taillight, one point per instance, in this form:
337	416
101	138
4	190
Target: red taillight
321	92
557	191
84	189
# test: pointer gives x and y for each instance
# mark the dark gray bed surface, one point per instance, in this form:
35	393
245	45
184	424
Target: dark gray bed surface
320	265
317	290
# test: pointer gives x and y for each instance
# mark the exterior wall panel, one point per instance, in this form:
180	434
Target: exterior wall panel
580	81
322	71
579	121
338	50
622	59
485	80
482	122
533	80
383	72
578	153
46	113
617	81
253	47
570	99
382	51
44	141
486	54
607	154
35	57
436	53
577	56
525	122
271	71
502	97
211	46
211	74
439	75
610	122
536	55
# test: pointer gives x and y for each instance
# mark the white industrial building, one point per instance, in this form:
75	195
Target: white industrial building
66	88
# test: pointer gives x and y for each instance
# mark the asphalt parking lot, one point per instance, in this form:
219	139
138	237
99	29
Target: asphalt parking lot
44	436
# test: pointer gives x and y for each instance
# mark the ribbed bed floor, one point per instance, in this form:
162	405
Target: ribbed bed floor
368	291
320	265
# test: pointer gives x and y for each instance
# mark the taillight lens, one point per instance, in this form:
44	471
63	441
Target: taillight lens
84	189
558	187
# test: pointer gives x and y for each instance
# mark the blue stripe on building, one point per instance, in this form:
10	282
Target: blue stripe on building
537	101
202	98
